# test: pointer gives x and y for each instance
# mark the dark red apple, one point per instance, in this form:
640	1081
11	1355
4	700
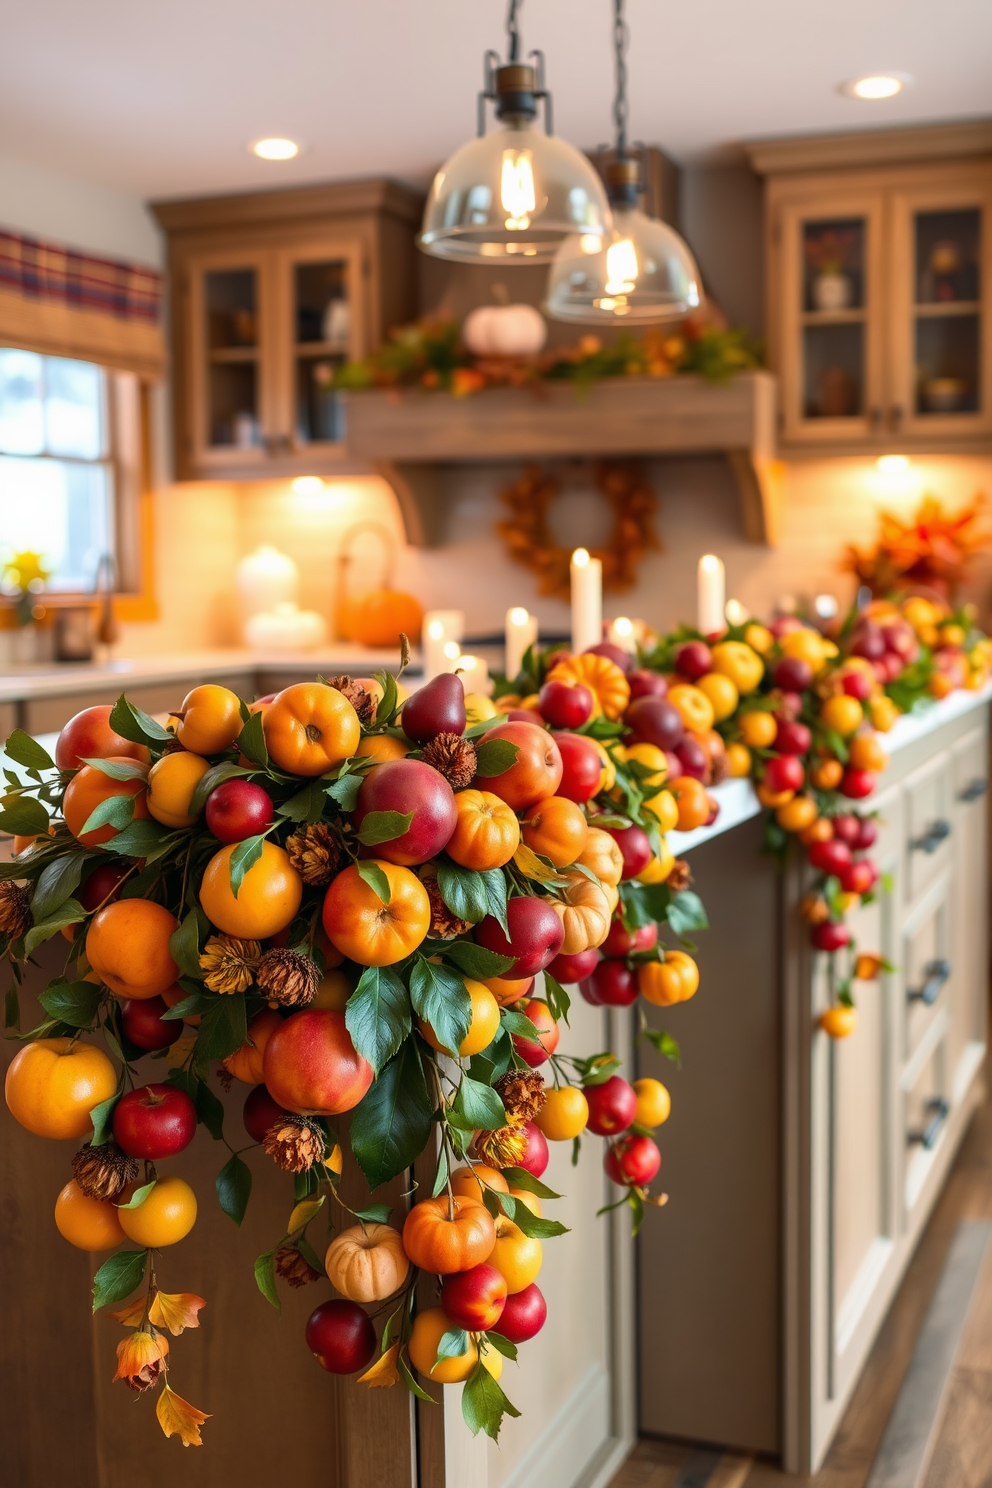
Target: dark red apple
565	707
524	1315
792	738
612	1106
620	942
582	767
868	641
788	705
792	674
341	1337
589	993
474	1300
867	833
693	660
88	735
830	936
238	809
260	1112
784	772
536	934
857	784
536	1052
856	685
621	658
858	878
102	886
568	969
436	708
635	849
154	1121
653	720
846	827
830	856
643	683
405	786
692	757
612	983
534	1158
632	1161
145	1025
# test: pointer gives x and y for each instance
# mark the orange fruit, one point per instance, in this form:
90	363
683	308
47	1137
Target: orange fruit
429	1328
556	828
487	832
693	707
482	1029
722	693
797	815
267	900
470	1182
368	931
167	1215
654	1104
692	800
245	1063
839	1021
127	945
866	753
506	992
87	789
209	720
675	979
52	1085
310	727
738	761
841	713
171	783
758	729
382	748
89	1224
564	1113
827	775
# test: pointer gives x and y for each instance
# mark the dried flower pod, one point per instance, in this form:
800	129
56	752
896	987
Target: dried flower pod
15	910
315	852
292	1265
522	1092
453	757
814	909
444	924
504	1147
295	1143
229	963
680	876
103	1172
358	696
141	1359
287	978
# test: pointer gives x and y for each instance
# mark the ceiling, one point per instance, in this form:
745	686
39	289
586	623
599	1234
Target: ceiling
162	100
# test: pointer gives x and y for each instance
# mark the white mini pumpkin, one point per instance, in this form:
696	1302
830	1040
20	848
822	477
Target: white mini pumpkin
505	330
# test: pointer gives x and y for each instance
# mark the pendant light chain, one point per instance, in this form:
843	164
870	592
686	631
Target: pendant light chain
512	30
621	39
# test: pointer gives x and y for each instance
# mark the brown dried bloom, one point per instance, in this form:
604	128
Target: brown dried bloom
814	909
444	924
294	1143
522	1093
719	769
141	1359
102	1172
15	910
453	757
504	1147
229	963
292	1265
358	696
680	876
315	853
287	978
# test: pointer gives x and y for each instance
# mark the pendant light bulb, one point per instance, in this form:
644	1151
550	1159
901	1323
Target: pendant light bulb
517	193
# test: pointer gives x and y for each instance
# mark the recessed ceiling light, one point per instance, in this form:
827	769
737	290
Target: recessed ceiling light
275	149
877	85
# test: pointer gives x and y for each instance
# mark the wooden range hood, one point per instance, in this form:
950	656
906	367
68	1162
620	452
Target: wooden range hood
408	435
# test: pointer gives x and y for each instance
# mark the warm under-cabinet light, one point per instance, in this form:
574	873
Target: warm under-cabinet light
275	149
308	485
878	85
892	464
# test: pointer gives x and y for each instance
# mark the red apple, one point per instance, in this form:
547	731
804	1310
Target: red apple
154	1121
89	736
311	1066
145	1025
858	878
899	637
535	1155
632	1161
621	658
405	786
857	685
525	715
569	969
784	772
612	1106
102	886
436	708
474	1300
692	757
792	738
536	771
260	1111
788	705
867	833
563	706
792	674
341	1337
238	809
846	827
523	1315
589	994
620	942
714	811
536	934
654	720
830	936
635	848
857	784
582	767
693	660
535	1052
612	983
868	641
830	856
643	683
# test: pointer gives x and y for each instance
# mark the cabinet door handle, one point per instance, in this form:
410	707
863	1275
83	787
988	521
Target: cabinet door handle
935	834
974	789
936	973
937	1112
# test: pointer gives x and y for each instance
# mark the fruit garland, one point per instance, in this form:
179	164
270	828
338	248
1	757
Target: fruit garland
341	897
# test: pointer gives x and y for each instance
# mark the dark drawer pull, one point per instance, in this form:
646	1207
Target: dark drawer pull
937	1111
935	834
974	789
936	973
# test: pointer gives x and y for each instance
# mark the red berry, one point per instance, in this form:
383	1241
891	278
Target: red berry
784	772
792	674
792	738
846	827
857	685
238	809
857	878
857	784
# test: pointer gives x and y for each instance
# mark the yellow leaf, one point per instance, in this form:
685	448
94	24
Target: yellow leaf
176	1311
130	1315
176	1415
383	1372
531	866
303	1214
335	1162
180	1051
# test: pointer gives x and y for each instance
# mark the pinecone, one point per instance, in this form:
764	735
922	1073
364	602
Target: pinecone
522	1093
315	852
15	910
453	757
680	877
358	696
287	978
504	1147
292	1265
103	1172
294	1143
444	925
229	963
719	769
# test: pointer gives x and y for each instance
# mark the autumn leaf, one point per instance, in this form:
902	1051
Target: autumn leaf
383	1372
141	1359
130	1315
180	1051
176	1311
177	1416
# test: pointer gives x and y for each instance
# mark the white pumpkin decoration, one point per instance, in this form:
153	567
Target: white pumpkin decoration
285	628
505	330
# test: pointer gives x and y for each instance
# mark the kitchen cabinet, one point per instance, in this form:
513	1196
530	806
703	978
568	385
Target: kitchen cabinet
270	294
879	289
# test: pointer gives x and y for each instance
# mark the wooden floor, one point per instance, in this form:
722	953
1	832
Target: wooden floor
963	1454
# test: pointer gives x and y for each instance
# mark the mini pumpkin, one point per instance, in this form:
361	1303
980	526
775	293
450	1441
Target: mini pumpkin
602	854
445	1235
379	617
604	679
367	1263
584	911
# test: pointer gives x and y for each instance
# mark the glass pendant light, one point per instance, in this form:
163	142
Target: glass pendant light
514	195
646	273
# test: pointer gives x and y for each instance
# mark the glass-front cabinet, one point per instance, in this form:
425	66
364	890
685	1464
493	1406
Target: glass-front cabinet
879	306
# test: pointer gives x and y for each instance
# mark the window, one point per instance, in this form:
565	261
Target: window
68	430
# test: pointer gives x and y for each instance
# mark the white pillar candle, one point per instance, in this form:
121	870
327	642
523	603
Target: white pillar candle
586	576
711	594
440	627
623	633
521	632
474	674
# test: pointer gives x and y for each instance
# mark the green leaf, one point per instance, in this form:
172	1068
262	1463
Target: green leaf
375	1213
118	1277
441	1176
305	1184
472	895
494	757
24	750
475	960
441	998
184	944
119	769
411	1384
389	701
644	904
243	858
131	723
378	1015
306	805
223	1029
452	1345
686	913
527	1221
265	1273
215	776
23	816
377	881
392	1124
480	1106
483	1403
345	790
142	839
556	997
519	1024
209	1111
502	1345
102	1117
57	882
196	1002
112	811
520	1178
664	1043
12	1010
69	913
75	1003
383	826
233	1184
251	741
139	1196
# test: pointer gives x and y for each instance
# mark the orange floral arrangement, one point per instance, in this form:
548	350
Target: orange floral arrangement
932	550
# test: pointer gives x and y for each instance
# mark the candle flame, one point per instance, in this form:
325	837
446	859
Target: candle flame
735	612
580	558
452	650
435	630
710	563
623	626
518	615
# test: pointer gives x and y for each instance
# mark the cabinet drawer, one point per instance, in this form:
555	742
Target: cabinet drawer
925	960
929	825
970	770
926	1107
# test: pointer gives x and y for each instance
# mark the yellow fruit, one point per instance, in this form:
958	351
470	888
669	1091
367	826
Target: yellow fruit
738	761
564	1114
428	1329
722	693
659	867
654	1104
804	645
841	713
758	729
478	708
532	1202
740	662
796	815
653	759
759	639
883	713
665	809
608	777
167	1215
171	784
483	1028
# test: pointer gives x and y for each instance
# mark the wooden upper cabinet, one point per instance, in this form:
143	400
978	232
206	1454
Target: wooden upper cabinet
270	293
879	259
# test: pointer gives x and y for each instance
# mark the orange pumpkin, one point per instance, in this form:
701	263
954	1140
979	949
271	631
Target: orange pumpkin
557	829
379	617
602	854
487	832
604	679
309	728
675	979
584	911
445	1235
367	1263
